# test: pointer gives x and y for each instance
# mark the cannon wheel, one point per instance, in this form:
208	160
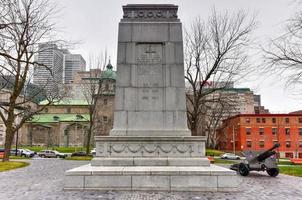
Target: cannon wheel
273	172
243	169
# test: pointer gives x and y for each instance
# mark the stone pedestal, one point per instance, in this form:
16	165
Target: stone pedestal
150	146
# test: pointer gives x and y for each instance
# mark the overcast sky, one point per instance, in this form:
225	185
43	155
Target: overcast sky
95	24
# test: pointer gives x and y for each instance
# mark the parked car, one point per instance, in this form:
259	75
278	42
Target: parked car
13	152
93	152
51	154
79	153
1	153
230	156
27	153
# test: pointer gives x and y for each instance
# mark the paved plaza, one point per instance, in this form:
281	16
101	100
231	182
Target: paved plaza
43	179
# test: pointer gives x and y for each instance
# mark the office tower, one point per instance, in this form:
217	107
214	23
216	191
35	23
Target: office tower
49	73
72	64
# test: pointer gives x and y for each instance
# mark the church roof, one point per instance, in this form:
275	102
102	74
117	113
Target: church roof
53	117
67	102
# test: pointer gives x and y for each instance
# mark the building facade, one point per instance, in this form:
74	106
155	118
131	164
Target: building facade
105	102
72	63
240	100
59	66
24	102
66	123
49	76
261	132
77	89
220	104
63	123
87	81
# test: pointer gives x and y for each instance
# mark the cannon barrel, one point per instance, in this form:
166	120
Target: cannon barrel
261	157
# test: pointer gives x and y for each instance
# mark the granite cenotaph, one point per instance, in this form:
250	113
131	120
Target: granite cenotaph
150	146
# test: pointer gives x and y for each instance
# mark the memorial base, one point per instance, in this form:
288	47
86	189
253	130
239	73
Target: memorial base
151	178
151	163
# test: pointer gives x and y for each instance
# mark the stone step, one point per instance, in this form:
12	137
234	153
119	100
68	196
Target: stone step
155	178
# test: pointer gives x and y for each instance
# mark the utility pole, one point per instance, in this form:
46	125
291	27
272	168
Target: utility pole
234	145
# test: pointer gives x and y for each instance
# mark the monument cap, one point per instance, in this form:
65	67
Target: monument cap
150	12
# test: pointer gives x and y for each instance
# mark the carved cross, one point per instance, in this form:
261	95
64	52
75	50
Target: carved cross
149	50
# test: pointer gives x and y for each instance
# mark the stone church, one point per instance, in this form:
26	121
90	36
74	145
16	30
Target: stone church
66	123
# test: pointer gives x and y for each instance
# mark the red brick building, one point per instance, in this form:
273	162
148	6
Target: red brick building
262	131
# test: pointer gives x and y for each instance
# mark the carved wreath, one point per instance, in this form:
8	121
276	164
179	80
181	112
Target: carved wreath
151	148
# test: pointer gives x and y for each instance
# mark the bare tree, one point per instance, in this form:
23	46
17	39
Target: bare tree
23	25
215	55
284	54
92	88
218	107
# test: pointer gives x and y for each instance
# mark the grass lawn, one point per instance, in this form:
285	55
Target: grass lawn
213	152
18	157
293	170
284	162
223	161
79	158
4	166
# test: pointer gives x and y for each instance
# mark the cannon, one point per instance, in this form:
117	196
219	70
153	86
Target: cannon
258	161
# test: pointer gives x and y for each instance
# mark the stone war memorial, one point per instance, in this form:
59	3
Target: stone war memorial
150	146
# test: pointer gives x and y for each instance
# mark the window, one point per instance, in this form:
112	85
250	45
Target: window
287	131
300	120
287	144
287	120
247	120
274	131
261	144
261	131
68	110
258	120
106	87
249	144
300	131
46	110
105	101
274	120
248	131
300	144
289	155
263	120
105	118
275	142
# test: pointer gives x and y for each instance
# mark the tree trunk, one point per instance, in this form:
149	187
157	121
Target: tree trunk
88	140
194	128
8	142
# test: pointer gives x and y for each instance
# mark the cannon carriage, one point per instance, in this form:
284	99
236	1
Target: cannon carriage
258	161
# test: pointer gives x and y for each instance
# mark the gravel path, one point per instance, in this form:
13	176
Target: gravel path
43	180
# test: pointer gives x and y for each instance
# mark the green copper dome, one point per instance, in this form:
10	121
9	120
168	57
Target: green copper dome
108	73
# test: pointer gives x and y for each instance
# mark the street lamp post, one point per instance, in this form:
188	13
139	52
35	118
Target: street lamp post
17	136
234	145
76	136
